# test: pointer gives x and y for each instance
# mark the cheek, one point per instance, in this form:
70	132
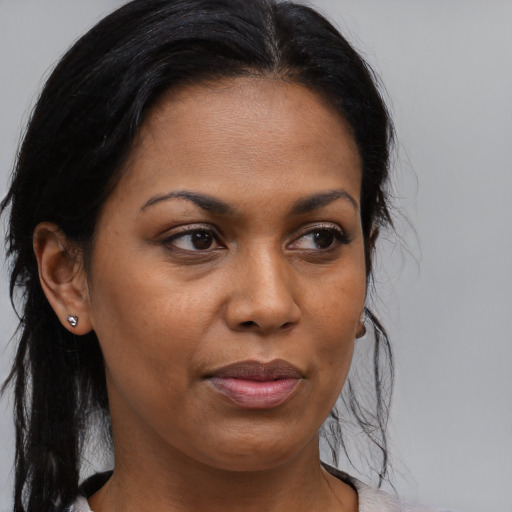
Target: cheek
148	327
335	313
150	338
336	301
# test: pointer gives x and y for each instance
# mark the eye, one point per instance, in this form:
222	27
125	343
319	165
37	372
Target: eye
320	238
196	240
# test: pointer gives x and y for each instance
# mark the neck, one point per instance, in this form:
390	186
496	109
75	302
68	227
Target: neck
162	474
178	485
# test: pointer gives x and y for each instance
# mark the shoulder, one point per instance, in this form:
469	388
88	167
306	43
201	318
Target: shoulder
377	500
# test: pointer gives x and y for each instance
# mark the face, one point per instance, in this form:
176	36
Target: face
227	276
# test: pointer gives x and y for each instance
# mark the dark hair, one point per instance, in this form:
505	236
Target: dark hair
80	134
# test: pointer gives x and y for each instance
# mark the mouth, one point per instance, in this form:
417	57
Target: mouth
256	385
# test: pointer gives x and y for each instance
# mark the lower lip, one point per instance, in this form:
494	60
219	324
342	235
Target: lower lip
252	394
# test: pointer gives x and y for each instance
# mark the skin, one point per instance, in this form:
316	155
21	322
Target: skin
168	314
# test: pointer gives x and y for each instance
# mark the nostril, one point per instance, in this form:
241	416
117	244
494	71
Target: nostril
249	324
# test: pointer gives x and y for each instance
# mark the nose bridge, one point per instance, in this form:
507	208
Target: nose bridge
267	277
263	297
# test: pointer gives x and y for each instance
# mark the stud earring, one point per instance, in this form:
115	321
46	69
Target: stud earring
72	320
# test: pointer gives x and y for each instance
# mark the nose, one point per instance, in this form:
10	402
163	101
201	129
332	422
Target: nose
262	298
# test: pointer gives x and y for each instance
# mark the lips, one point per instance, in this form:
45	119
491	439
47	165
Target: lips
256	385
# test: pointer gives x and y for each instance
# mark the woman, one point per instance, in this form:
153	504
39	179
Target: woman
193	216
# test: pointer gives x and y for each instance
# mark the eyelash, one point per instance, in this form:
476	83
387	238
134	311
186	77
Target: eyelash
189	231
335	231
339	236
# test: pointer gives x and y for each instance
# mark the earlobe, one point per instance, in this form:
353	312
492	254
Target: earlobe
62	277
373	237
361	331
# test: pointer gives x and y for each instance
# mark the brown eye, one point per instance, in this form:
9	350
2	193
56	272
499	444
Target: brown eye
202	240
323	239
196	240
320	239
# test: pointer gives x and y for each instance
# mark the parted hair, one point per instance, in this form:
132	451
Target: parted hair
79	136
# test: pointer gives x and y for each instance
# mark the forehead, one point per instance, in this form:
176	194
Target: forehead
258	132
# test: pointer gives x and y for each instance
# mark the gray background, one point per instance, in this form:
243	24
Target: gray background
446	297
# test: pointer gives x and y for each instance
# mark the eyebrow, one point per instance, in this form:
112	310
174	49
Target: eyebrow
317	201
214	205
205	202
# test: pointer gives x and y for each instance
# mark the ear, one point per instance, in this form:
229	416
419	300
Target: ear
62	276
373	237
361	329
